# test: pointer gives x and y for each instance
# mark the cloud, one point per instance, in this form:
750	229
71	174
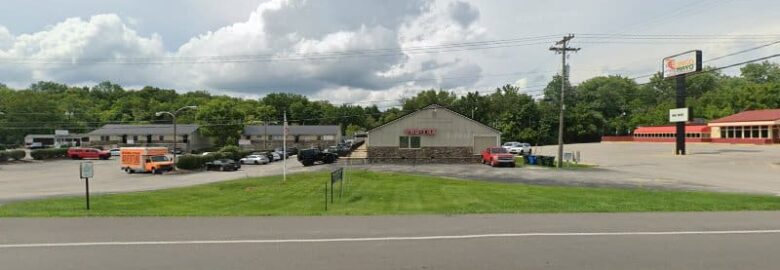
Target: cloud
463	13
284	45
64	51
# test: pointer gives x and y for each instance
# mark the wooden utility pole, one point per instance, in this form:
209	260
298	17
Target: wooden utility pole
563	43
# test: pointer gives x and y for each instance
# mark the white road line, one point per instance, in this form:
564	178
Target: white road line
369	239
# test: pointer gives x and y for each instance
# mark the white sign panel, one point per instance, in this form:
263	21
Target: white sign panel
61	132
680	64
86	170
678	115
244	142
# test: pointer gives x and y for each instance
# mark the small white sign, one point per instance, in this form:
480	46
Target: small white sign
244	142
61	132
678	115
86	170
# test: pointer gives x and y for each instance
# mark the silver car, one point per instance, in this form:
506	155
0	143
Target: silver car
254	159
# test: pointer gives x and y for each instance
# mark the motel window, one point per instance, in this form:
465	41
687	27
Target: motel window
135	139
723	132
328	138
764	131
185	138
409	142
161	138
277	137
104	138
756	131
148	138
737	132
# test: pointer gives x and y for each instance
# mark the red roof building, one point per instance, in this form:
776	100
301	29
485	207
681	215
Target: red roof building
751	116
752	127
758	126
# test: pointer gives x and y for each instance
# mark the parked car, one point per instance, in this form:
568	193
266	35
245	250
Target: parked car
114	152
337	150
222	165
292	150
35	145
497	156
276	156
517	148
279	151
206	153
87	153
308	157
267	154
254	159
177	151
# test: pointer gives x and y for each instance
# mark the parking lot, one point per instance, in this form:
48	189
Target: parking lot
707	167
36	179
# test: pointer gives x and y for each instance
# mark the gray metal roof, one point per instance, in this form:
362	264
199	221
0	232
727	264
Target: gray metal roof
151	129
431	107
293	130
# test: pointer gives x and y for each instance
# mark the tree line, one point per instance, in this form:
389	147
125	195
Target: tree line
603	105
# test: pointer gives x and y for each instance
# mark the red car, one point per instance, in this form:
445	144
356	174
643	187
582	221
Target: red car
84	153
497	156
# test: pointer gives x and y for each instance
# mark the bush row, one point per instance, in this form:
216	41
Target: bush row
13	154
49	153
195	162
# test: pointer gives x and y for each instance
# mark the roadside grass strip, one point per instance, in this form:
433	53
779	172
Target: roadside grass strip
382	193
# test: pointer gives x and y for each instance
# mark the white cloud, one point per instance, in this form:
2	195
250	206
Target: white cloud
60	53
286	30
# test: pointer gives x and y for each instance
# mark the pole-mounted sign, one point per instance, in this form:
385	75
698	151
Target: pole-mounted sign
677	66
681	64
679	115
86	171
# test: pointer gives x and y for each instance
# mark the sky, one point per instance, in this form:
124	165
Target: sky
365	51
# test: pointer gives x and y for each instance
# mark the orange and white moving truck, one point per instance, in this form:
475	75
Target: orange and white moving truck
145	159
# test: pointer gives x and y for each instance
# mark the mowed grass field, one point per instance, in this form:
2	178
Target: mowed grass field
376	193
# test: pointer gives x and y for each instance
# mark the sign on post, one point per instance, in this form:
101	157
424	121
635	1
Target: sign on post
678	66
86	171
683	63
679	115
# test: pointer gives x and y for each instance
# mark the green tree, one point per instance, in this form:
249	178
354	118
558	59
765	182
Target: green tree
220	119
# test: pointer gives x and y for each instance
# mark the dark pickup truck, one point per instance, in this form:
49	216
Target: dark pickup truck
308	157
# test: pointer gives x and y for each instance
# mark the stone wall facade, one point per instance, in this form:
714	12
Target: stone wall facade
386	154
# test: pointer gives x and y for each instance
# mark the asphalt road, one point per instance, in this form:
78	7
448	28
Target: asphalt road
734	240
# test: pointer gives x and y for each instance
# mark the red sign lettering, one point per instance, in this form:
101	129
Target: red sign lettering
420	131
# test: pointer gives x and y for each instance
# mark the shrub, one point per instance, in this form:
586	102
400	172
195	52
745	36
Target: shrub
190	162
17	154
230	152
51	153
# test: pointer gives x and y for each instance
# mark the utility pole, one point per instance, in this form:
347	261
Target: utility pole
563	43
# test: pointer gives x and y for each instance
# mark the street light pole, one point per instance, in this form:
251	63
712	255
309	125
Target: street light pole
472	112
175	136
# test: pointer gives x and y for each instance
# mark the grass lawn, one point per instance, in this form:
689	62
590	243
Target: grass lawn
375	193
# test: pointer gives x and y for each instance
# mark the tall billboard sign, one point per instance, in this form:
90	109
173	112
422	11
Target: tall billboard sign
677	66
683	63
